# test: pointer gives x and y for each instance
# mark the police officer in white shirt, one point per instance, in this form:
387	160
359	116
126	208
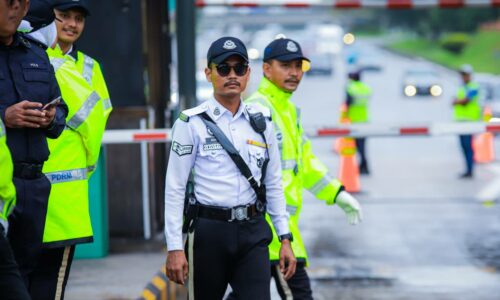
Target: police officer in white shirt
228	235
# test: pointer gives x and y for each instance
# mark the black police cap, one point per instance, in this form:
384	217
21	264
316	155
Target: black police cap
283	50
64	5
40	13
225	47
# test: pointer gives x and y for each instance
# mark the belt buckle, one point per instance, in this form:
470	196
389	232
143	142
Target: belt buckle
239	213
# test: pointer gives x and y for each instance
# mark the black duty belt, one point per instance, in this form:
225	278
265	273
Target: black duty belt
237	213
28	171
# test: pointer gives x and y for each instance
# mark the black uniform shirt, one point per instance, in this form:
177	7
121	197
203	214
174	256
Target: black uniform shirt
26	74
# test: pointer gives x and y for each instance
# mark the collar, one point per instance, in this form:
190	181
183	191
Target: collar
217	110
274	94
73	52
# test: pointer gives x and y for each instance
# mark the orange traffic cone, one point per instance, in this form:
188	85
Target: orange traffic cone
483	148
348	170
482	144
344	119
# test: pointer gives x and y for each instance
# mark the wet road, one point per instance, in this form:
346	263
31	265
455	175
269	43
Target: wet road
426	234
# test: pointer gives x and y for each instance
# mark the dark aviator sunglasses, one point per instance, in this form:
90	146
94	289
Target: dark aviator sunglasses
239	69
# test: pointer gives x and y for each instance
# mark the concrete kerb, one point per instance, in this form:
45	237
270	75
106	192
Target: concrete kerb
160	288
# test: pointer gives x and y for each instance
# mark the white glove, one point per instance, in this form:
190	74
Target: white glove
5	225
351	207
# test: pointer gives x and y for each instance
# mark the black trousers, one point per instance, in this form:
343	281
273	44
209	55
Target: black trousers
11	283
49	279
298	287
468	151
361	149
27	222
236	253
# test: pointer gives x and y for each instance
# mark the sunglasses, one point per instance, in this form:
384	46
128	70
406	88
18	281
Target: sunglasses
225	69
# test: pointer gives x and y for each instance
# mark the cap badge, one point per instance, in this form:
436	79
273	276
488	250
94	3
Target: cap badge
290	46
229	45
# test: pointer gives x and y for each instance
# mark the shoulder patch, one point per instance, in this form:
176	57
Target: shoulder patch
186	114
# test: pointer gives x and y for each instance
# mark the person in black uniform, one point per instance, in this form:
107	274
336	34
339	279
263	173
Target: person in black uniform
27	85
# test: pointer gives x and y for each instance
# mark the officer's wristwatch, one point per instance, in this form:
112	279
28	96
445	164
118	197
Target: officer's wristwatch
287	236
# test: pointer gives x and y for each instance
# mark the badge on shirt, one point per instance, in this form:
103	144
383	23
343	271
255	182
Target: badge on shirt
182	149
260	162
211	144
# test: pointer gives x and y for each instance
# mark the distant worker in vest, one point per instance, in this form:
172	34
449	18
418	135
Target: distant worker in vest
467	109
357	100
32	111
283	68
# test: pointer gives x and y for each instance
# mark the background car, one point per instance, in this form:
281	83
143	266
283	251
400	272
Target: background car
489	93
421	82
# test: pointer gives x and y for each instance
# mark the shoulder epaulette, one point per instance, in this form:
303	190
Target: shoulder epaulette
254	107
28	41
188	113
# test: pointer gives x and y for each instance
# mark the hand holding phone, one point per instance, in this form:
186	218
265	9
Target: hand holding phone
52	103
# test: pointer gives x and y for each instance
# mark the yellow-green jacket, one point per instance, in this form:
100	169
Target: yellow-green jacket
7	189
300	168
77	149
359	94
471	111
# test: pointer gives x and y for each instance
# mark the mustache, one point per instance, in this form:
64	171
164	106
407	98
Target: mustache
232	82
293	80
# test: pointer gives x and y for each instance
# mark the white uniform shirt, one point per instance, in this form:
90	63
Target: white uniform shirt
217	180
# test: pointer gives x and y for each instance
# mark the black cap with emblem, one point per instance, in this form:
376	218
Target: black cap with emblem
225	47
283	50
40	13
64	5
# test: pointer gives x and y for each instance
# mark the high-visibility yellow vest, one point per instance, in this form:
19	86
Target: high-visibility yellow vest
300	167
7	188
68	220
360	94
472	110
91	71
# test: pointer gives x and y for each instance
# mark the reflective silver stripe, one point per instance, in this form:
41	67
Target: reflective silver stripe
88	66
106	103
288	164
62	273
284	285
66	176
84	111
320	185
305	139
57	63
2	129
292	210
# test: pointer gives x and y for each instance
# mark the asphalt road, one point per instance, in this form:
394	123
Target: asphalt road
426	233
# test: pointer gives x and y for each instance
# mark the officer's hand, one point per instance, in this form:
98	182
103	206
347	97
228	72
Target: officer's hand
25	114
351	207
288	262
49	116
177	266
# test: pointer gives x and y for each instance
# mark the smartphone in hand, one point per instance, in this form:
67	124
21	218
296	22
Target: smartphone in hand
52	103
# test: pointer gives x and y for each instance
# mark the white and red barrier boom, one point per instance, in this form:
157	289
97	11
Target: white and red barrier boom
128	136
391	4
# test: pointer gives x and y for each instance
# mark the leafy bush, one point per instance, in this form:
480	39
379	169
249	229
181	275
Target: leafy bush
455	42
